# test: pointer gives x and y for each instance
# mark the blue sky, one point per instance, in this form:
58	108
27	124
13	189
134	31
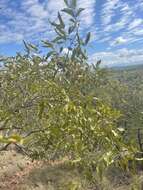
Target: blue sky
116	26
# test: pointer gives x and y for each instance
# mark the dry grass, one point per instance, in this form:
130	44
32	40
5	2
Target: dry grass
19	173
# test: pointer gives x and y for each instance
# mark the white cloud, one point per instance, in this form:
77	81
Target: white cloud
136	22
119	57
121	18
34	9
138	32
117	23
124	19
27	22
109	11
119	41
88	14
115	19
29	19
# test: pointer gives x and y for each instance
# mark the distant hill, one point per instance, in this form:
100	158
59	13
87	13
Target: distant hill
129	67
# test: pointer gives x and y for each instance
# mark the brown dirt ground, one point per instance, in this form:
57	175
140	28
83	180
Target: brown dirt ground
18	172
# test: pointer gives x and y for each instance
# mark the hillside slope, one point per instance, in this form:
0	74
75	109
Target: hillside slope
19	173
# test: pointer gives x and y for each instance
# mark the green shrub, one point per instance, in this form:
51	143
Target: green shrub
48	104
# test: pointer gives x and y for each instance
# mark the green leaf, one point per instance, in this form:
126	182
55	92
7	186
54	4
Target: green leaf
41	109
121	129
61	49
79	11
49	54
33	47
114	133
87	38
16	137
3	139
47	44
83	54
60	33
61	30
54	24
61	20
71	29
139	159
74	3
79	40
76	161
57	39
66	2
73	54
26	46
68	11
72	20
